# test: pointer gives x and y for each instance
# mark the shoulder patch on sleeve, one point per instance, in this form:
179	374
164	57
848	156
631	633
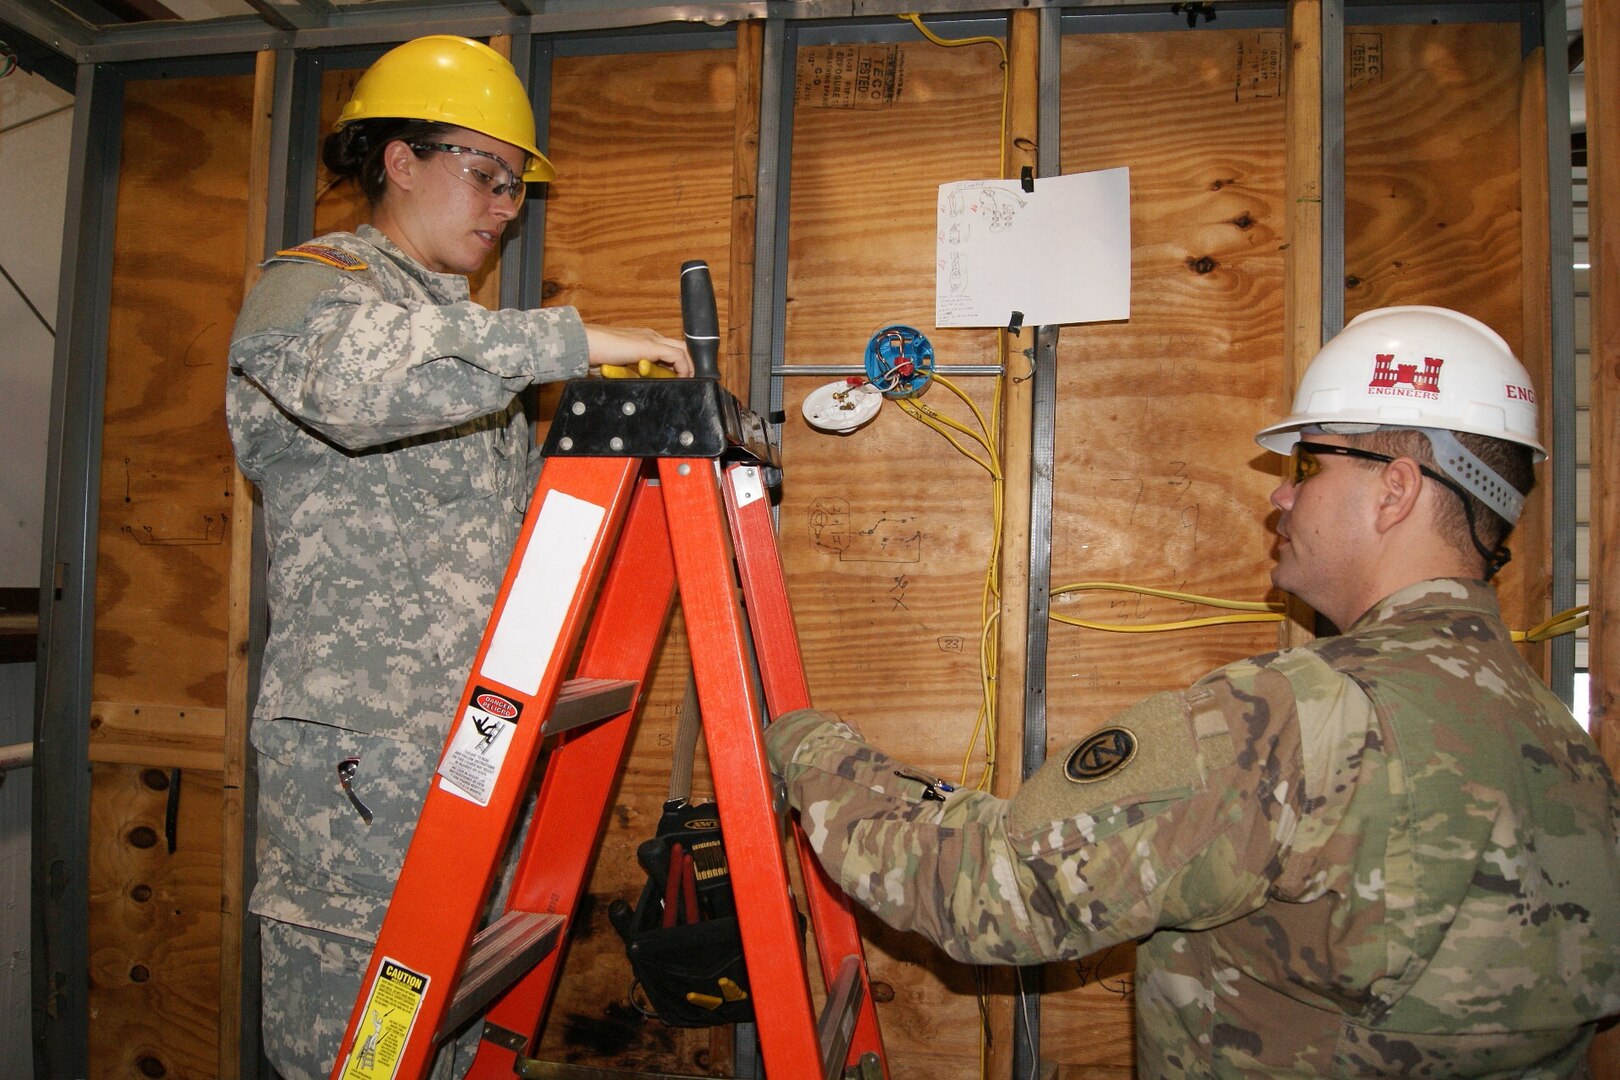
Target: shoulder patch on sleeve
1146	753
323	253
1101	754
280	302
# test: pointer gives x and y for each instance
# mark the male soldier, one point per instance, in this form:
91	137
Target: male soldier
1389	852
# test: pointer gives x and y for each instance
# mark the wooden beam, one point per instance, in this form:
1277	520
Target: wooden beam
1017	463
1533	534
1016	427
126	733
1603	197
1602	38
735	373
238	633
486	285
1302	264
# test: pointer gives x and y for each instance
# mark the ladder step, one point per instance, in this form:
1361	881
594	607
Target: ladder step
502	952
534	1069
585	701
836	1028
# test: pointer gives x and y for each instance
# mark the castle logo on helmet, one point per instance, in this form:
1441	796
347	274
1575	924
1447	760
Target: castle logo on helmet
1405	380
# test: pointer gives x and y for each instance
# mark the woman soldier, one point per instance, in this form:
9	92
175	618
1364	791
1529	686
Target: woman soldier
375	406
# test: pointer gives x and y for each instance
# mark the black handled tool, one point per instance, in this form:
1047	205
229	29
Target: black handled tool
699	321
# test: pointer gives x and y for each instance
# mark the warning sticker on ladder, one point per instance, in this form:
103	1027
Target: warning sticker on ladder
473	761
391	1008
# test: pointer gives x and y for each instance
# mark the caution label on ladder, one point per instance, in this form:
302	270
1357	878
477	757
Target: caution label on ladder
473	761
391	1007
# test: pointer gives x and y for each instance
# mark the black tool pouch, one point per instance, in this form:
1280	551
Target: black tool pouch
691	970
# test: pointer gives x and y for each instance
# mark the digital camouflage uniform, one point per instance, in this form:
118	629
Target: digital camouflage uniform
1388	853
374	406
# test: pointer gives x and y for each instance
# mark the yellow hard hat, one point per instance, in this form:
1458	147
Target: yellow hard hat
451	80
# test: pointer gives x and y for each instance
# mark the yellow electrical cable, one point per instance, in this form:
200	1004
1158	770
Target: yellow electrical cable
1565	622
1252	611
987	437
1170	594
1257	611
915	19
932	419
1180	624
990	603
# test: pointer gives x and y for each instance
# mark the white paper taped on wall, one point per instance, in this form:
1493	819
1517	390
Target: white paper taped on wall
1059	252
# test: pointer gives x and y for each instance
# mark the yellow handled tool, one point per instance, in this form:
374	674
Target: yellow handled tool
644	369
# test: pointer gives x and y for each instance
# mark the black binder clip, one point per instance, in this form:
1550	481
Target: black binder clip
1193	11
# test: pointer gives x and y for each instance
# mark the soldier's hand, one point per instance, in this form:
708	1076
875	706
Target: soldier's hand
624	346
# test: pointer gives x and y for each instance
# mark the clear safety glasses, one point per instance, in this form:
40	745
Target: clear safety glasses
484	171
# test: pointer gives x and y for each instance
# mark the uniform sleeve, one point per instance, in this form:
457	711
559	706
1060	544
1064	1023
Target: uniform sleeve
1171	814
332	353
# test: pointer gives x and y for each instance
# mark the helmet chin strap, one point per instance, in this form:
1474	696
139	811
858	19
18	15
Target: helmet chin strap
1465	467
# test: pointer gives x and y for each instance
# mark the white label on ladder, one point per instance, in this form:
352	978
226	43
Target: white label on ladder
477	750
385	1027
532	619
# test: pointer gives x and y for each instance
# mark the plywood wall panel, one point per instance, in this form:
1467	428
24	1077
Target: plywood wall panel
1432	196
643	151
861	232
643	148
886	533
1157	481
163	557
1432	172
154	940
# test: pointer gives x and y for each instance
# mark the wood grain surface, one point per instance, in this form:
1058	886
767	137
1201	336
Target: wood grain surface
1160	483
886	532
163	563
643	148
1432	206
1156	480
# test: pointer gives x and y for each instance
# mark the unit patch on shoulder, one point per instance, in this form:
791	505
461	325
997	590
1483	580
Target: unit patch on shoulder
325	254
1101	755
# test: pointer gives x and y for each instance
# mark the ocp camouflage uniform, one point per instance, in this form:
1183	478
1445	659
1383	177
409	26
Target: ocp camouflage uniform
1388	853
374	405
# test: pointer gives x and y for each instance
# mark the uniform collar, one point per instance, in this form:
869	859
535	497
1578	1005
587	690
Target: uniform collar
445	288
1451	594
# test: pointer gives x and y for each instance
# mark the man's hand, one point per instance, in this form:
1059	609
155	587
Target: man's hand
625	345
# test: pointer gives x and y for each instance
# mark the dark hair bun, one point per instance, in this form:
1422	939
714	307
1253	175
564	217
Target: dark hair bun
354	151
343	152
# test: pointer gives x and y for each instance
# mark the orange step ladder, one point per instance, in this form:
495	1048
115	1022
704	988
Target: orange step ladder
651	489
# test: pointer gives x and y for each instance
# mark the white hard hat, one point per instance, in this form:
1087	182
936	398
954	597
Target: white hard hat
1413	367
